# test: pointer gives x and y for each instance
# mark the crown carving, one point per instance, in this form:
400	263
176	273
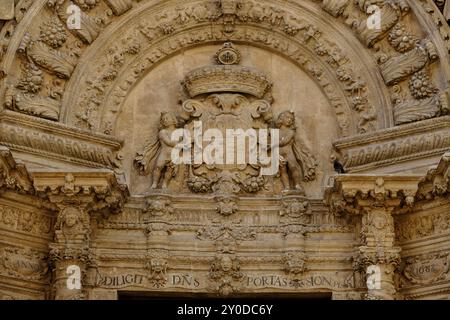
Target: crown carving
227	76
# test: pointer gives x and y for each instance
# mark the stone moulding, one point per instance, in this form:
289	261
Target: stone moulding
394	145
58	141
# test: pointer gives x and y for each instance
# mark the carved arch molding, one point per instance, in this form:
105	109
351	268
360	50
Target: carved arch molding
373	79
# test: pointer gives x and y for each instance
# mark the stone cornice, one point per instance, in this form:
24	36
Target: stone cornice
97	189
395	145
437	181
354	193
58	141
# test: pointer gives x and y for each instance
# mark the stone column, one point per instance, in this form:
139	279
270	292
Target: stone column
376	199
70	252
79	199
378	257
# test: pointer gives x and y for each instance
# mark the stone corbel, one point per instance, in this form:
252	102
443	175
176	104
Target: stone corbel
13	176
376	199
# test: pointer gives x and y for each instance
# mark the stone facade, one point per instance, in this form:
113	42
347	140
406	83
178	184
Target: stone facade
92	205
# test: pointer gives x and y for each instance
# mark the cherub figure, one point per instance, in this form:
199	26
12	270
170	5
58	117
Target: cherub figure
159	153
295	161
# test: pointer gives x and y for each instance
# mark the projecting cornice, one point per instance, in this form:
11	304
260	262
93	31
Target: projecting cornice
58	141
352	193
99	190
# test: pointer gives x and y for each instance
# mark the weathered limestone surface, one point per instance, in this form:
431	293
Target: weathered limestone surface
92	204
7	10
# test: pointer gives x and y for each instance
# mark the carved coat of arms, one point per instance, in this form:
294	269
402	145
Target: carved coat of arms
230	134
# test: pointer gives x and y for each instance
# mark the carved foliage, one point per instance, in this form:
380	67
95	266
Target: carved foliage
25	221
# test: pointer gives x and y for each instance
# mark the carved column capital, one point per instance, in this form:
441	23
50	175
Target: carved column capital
79	198
376	199
96	191
359	194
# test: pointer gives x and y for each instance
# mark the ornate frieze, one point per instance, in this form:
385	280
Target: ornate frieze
22	133
391	146
25	221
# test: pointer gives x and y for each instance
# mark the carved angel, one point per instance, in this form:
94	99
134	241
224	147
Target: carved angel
295	161
158	154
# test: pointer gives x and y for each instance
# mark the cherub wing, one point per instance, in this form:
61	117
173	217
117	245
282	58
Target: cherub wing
307	161
144	160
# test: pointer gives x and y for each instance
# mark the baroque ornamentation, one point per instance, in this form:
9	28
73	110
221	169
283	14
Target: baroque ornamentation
226	206
426	269
33	135
13	175
159	207
226	274
25	264
295	210
157	266
294	263
222	97
267	16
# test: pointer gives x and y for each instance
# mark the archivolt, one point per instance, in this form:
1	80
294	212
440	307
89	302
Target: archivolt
127	47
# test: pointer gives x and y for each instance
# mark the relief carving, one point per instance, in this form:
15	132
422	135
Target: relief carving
157	266
25	264
297	163
226	206
119	7
226	275
13	175
90	28
25	221
391	11
159	207
157	156
426	269
225	97
294	263
402	66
